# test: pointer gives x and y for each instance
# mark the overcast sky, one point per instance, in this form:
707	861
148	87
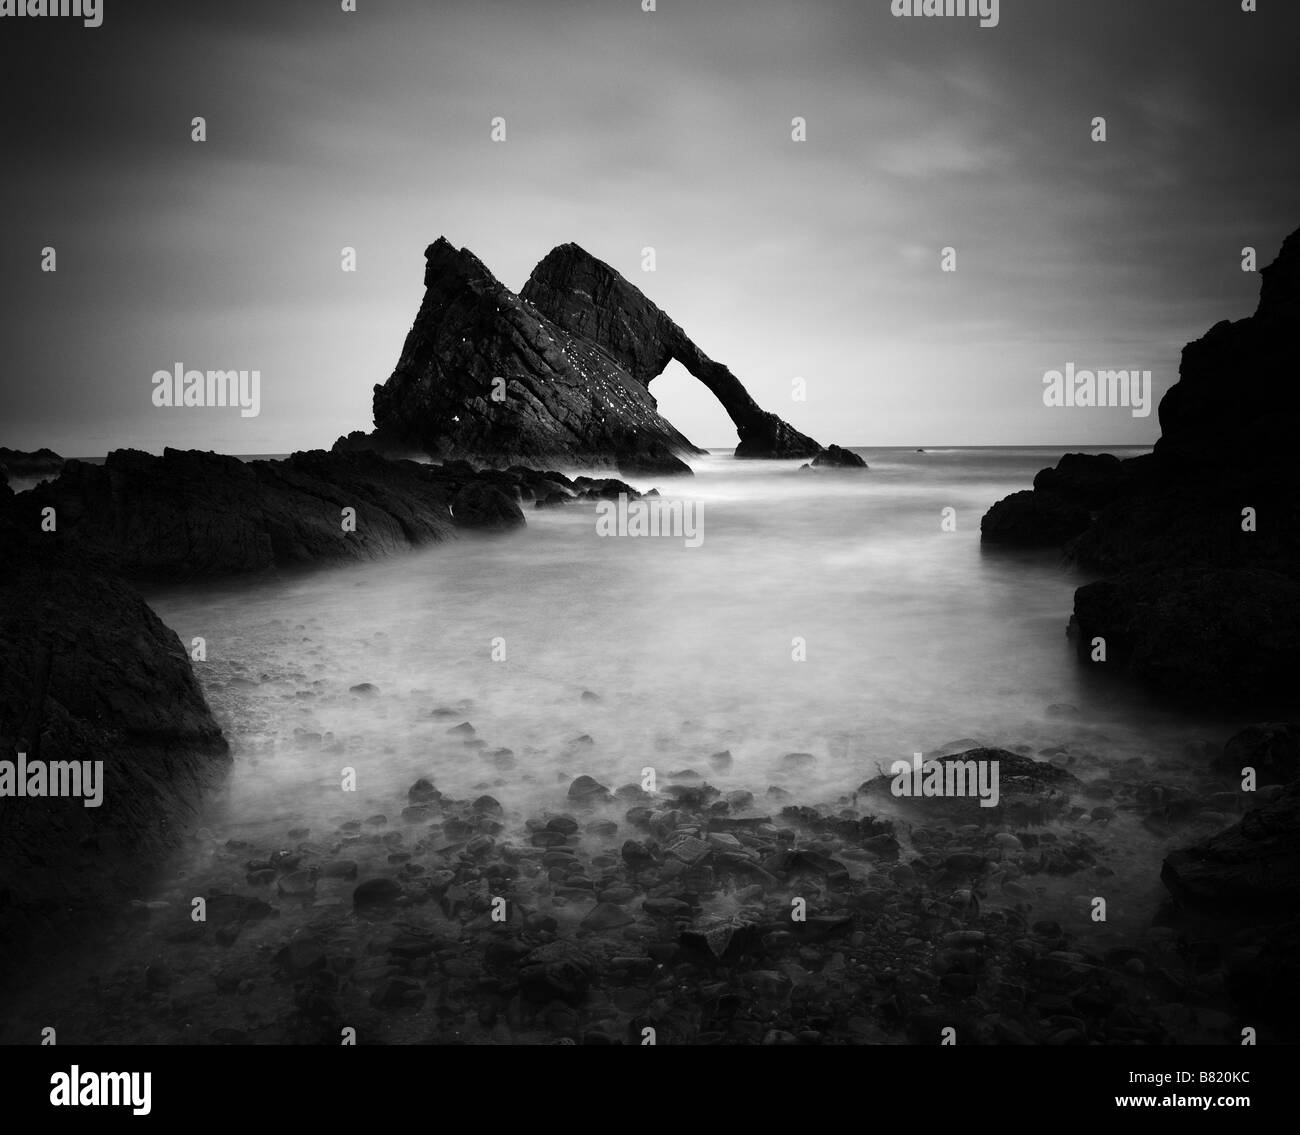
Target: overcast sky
626	129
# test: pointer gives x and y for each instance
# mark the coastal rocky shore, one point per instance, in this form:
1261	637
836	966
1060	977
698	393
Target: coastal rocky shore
189	514
1198	549
88	673
1197	543
703	916
744	916
623	911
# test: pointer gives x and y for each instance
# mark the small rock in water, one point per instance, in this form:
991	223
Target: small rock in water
799	760
364	689
965	862
398	992
618	894
687	848
297	884
558	969
721	761
479	845
464	729
422	792
636	854
587	789
547	838
302	955
376	893
666	908
606	916
588	695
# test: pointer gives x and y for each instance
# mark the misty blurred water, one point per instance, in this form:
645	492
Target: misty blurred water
914	637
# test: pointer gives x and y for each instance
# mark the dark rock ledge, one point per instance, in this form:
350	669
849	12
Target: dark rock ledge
189	514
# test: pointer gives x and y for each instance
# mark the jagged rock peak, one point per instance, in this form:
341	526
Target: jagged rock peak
560	371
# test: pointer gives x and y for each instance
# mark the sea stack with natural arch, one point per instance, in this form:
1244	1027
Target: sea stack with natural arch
559	373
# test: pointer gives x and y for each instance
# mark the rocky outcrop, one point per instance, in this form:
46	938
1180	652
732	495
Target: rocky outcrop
1033	519
39	463
1029	791
89	673
835	456
1245	881
1271	748
560	372
1201	538
1197	635
190	514
1252	867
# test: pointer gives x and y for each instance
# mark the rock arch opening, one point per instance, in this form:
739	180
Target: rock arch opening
693	408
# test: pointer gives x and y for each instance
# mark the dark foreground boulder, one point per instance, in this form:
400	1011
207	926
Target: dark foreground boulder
1252	868
1217	637
88	673
1271	748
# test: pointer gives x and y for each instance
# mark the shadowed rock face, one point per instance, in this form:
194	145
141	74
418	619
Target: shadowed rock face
1236	399
1201	538
89	673
577	350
